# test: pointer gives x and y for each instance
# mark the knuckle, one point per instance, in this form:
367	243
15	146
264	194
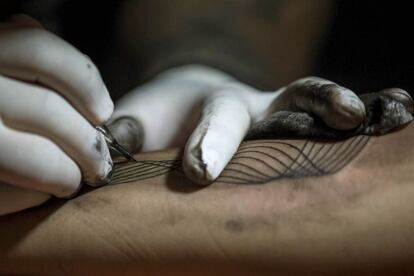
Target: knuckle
53	110
316	89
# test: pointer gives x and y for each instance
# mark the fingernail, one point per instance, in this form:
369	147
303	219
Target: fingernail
351	109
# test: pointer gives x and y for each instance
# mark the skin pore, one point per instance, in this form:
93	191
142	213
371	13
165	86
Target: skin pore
356	218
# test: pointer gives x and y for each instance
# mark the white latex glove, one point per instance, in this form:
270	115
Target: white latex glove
210	113
51	97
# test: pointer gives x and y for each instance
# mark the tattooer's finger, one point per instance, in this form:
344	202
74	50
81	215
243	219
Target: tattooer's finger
35	55
288	124
128	132
386	110
35	109
401	96
337	106
224	122
14	199
23	20
35	163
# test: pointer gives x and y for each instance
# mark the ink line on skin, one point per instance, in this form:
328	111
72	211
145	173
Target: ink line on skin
259	162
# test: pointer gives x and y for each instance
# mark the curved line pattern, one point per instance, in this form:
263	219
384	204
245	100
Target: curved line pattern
259	162
312	159
125	172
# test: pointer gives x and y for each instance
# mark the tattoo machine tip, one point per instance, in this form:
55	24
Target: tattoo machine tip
113	143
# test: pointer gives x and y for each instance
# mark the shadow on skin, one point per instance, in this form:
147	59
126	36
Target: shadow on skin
26	221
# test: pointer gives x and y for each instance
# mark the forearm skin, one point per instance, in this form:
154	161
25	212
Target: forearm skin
357	220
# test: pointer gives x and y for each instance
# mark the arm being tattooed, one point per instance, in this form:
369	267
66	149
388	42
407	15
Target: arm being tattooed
355	217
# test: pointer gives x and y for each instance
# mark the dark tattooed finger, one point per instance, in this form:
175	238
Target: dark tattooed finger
386	110
128	132
337	106
286	124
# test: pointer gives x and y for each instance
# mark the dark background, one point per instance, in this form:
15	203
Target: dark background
369	45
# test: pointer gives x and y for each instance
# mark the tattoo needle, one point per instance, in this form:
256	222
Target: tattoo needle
113	143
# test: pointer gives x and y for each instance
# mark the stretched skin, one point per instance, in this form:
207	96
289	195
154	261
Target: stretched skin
357	220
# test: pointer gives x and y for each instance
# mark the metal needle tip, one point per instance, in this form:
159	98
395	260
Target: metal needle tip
113	143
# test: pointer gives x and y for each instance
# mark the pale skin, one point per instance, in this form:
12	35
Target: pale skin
358	220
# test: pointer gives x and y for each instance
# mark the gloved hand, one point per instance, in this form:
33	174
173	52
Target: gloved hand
51	98
210	113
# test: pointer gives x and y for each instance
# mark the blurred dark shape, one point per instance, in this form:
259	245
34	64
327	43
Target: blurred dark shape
369	46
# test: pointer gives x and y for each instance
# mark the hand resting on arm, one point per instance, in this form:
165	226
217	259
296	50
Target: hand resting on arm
342	207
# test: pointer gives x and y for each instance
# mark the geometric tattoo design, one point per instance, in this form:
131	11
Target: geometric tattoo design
130	171
258	162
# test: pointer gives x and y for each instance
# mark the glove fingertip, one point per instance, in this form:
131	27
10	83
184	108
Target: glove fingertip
129	133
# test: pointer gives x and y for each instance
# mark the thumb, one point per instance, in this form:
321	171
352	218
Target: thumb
128	132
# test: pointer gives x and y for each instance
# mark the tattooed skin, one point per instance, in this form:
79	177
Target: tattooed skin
261	161
264	43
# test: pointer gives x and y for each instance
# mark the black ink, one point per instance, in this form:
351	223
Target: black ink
141	170
258	162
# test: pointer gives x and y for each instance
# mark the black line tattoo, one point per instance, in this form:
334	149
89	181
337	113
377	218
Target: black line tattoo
258	162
